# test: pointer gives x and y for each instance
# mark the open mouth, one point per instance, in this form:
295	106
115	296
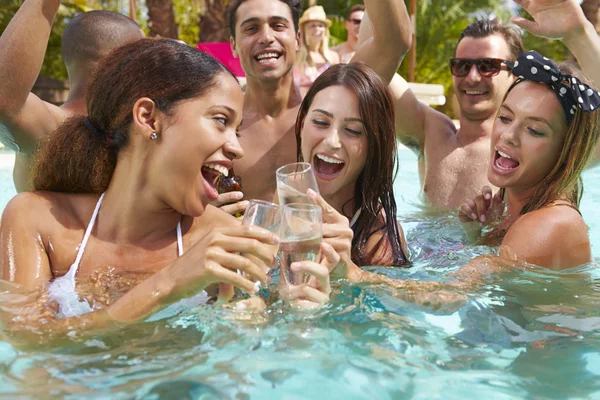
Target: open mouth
474	92
268	57
505	163
211	173
327	167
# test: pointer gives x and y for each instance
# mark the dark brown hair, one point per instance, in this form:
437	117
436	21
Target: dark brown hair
89	36
564	180
486	27
294	5
353	9
374	192
77	158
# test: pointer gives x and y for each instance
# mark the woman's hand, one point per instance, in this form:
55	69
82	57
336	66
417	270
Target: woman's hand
338	234
554	19
316	292
232	203
216	259
485	207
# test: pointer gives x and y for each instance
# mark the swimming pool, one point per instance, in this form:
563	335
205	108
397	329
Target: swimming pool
524	334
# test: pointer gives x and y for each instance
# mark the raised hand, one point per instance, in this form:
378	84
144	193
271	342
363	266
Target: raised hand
485	207
554	19
337	233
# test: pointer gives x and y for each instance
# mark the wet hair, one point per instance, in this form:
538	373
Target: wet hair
564	180
81	155
353	9
486	27
374	192
91	35
294	5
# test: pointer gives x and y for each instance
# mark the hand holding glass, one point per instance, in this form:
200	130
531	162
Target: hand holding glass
265	215
300	239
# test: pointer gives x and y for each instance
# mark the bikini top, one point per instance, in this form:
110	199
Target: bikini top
62	289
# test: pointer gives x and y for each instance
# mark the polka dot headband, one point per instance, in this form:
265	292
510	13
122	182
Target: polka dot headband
571	92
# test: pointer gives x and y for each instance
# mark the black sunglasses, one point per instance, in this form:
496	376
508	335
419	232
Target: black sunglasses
355	21
486	67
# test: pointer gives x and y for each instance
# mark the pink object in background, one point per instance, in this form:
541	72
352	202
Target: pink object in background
222	52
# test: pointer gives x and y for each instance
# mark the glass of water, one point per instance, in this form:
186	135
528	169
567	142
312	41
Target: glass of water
300	239
293	180
265	215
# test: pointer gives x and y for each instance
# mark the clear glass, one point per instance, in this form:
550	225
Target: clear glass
265	215
293	180
300	239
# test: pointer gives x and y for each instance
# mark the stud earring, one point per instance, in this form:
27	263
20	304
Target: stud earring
154	136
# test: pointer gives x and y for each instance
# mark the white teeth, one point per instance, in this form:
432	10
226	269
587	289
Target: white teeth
267	55
218	167
329	159
473	92
504	154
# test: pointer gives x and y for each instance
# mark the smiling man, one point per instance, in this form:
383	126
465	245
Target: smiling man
453	162
264	35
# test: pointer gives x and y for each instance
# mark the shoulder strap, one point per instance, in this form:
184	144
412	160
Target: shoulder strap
86	236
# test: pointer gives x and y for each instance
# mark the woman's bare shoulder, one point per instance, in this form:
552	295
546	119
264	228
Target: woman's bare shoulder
552	237
46	208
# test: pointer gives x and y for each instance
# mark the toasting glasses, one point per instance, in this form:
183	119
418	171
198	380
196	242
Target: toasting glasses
293	180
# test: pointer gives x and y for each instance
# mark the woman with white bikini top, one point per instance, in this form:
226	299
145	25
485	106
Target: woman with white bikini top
153	146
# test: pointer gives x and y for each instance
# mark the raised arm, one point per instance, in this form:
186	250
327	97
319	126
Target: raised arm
564	19
388	39
22	48
412	116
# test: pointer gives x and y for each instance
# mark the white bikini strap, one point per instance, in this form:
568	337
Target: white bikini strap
179	240
86	236
355	217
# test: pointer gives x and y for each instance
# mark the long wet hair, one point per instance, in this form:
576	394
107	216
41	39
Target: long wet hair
374	192
564	180
77	158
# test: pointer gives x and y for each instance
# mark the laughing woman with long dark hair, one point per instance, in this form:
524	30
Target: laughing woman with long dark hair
345	129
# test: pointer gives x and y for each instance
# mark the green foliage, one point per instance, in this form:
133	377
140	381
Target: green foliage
187	15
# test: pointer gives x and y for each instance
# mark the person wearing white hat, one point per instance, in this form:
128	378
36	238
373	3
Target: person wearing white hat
315	56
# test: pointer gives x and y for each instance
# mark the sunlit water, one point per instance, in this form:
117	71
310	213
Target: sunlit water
525	334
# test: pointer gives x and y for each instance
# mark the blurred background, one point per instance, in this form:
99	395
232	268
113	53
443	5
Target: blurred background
438	25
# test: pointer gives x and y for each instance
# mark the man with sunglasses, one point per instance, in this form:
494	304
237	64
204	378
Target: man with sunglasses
453	162
347	49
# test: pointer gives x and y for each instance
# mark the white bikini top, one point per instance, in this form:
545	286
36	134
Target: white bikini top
62	289
355	218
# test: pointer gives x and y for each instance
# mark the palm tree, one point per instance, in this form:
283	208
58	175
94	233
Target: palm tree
161	18
213	21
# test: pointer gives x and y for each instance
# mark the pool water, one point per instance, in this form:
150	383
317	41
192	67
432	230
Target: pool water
530	334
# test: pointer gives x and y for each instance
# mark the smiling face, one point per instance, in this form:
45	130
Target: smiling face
334	140
265	39
479	97
527	137
353	24
314	31
197	142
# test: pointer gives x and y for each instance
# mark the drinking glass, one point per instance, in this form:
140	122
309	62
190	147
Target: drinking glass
300	239
293	180
265	215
